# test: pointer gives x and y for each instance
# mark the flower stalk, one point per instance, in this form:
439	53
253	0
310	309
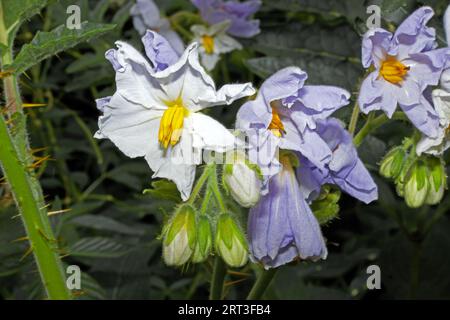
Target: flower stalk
261	284
16	165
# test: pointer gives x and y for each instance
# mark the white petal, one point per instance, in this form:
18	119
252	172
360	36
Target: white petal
441	101
209	61
188	78
224	43
134	82
132	128
209	134
447	24
177	163
199	30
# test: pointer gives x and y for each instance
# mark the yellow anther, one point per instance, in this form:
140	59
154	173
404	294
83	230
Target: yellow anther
276	126
208	44
393	70
171	124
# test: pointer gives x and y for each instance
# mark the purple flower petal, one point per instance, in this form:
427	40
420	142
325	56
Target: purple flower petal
376	44
158	50
413	35
216	11
282	227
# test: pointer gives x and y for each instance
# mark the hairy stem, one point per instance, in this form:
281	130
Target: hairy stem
261	284
16	162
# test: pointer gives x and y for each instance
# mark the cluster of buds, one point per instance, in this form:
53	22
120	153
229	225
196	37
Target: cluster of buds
420	180
189	237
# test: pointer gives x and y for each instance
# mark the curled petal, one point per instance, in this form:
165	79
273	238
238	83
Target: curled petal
375	45
158	50
413	35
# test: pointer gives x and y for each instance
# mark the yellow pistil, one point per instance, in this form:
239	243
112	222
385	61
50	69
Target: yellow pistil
393	70
208	44
276	126
171	124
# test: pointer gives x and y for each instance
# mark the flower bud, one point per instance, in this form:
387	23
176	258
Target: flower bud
400	180
326	207
416	185
437	180
243	182
179	237
392	164
204	240
230	242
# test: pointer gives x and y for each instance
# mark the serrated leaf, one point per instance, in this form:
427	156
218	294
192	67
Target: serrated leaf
15	12
46	44
98	247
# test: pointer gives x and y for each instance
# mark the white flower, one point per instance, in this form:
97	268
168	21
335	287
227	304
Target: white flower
155	114
437	146
213	42
441	100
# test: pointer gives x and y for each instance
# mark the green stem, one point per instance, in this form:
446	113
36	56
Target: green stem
354	119
16	161
214	185
200	182
261	284
374	123
42	242
218	277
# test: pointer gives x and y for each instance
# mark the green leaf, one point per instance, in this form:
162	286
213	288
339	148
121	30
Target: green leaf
15	12
163	189
351	10
46	44
340	42
321	70
98	247
105	223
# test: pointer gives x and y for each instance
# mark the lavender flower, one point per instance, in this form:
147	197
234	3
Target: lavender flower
146	16
405	64
282	227
284	115
289	115
238	13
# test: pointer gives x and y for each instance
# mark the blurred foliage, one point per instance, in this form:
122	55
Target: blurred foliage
111	227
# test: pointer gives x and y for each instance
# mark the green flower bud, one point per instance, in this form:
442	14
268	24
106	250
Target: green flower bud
179	237
400	180
416	185
326	206
243	181
437	179
230	242
204	240
392	164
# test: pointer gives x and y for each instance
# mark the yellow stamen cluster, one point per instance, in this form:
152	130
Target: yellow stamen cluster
171	124
393	70
208	44
276	126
